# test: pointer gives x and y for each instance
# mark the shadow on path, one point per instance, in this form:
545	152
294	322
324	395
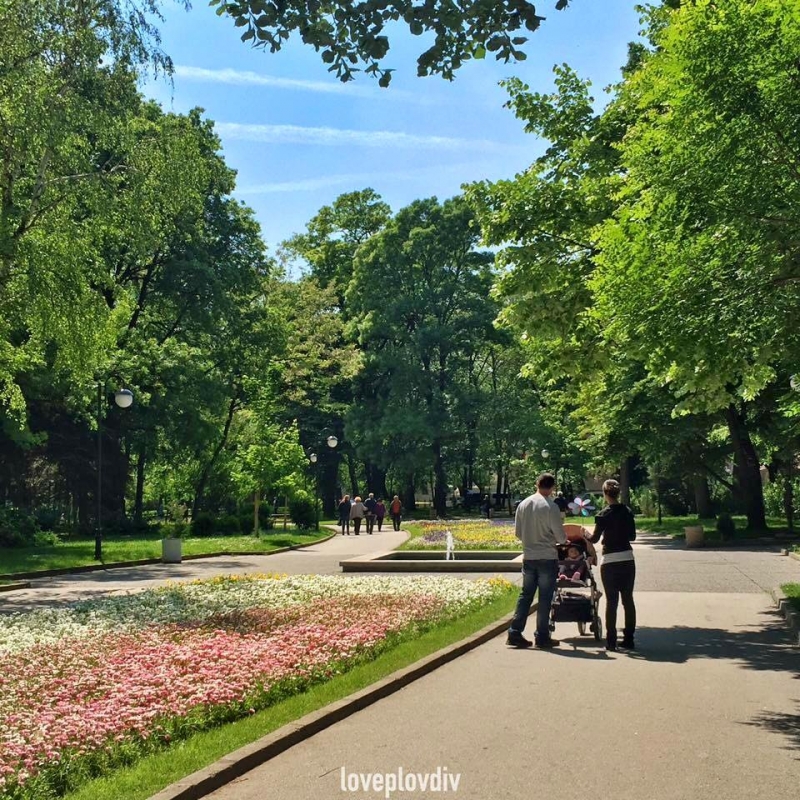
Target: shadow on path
764	648
783	722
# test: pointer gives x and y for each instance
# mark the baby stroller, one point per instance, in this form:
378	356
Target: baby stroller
577	601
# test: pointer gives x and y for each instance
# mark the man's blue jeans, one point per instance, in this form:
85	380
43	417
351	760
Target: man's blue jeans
538	574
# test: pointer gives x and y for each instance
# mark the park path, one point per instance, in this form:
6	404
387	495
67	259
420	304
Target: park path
322	558
709	706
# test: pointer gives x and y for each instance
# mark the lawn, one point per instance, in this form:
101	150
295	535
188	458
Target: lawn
80	552
792	591
673	526
142	689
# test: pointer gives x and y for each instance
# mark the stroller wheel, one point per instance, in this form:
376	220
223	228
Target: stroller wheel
582	628
597	627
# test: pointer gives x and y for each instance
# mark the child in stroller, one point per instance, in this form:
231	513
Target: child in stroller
577	598
574	567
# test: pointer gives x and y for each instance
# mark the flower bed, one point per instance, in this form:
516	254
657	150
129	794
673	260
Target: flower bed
467	535
89	687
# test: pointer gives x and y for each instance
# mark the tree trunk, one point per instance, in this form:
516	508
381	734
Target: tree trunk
329	486
625	481
499	490
748	469
440	485
140	462
702	497
409	496
788	501
351	471
201	485
256	506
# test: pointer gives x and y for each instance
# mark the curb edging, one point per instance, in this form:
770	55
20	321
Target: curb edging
13	587
235	764
147	562
788	612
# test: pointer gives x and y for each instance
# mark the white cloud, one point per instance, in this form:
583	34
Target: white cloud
296	134
359	180
334	86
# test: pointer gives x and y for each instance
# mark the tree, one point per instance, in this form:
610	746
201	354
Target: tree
350	33
419	309
698	273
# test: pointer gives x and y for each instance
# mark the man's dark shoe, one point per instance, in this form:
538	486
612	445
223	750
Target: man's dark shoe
627	644
518	640
611	647
547	644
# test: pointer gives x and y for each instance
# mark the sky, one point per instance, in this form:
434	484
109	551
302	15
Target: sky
298	137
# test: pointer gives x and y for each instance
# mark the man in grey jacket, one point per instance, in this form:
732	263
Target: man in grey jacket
537	525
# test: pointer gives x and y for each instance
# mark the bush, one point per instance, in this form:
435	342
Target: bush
773	497
174	530
48	518
203	524
726	526
45	539
229	525
17	529
303	512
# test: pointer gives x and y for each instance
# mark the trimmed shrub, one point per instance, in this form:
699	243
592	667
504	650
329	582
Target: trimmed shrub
228	525
303	513
48	518
203	524
17	529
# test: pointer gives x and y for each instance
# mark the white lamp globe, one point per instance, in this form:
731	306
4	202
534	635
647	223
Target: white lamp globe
332	441
123	398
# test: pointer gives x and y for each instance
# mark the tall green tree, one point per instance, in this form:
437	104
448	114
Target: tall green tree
419	308
698	273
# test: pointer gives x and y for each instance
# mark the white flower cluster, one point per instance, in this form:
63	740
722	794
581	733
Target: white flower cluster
198	600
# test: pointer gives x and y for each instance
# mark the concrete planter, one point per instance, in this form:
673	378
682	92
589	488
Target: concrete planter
694	535
171	551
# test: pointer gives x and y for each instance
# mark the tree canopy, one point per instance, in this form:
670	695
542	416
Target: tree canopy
348	34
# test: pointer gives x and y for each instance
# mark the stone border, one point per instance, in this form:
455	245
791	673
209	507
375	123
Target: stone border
13	587
793	554
53	573
241	761
386	561
791	616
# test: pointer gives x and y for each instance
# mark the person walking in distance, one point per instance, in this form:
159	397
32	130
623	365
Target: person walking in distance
380	513
344	514
616	526
396	509
537	524
357	512
369	512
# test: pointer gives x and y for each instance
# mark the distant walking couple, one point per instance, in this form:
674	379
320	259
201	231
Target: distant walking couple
537	525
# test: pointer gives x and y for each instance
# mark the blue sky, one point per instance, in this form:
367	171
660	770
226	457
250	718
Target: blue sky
298	137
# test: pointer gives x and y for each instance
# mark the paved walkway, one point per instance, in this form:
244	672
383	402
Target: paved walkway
708	707
321	558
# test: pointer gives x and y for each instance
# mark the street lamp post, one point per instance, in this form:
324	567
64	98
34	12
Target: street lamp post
313	458
124	399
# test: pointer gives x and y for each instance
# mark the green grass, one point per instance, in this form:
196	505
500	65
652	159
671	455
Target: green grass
80	552
151	774
673	526
792	591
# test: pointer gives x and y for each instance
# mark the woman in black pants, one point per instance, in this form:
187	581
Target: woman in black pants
616	527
